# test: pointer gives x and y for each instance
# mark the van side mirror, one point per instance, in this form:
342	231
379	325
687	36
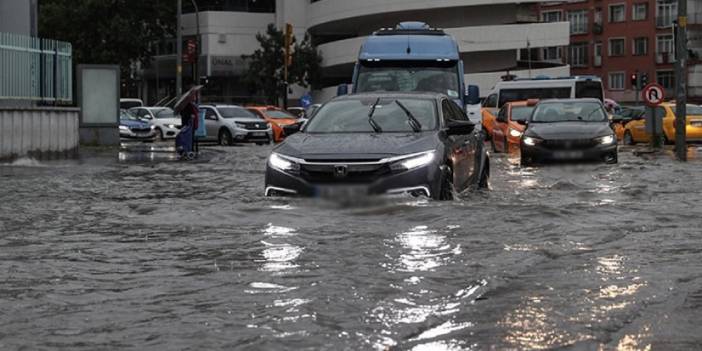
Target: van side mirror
342	89
459	127
473	96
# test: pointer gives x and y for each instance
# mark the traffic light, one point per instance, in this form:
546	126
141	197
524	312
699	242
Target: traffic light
644	79
634	81
288	44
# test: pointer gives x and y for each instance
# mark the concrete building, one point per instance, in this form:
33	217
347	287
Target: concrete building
615	39
490	34
19	17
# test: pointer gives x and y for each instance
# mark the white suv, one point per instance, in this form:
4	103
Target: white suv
228	124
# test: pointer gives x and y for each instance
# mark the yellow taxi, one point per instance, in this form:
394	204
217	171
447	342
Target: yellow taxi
635	131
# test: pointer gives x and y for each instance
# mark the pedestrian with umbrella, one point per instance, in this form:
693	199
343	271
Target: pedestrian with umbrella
187	108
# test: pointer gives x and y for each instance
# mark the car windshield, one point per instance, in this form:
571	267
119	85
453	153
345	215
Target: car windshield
164	113
276	114
521	113
569	111
235	112
351	116
691	110
127	116
440	78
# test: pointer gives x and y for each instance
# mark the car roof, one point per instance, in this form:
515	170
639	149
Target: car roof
393	95
219	105
546	101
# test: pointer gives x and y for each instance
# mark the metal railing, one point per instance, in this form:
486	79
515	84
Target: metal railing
35	69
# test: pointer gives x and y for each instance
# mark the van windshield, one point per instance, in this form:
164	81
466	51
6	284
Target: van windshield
509	95
589	89
429	76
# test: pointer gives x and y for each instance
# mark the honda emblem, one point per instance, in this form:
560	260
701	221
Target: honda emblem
341	171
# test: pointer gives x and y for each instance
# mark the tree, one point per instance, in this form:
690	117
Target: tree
108	31
265	73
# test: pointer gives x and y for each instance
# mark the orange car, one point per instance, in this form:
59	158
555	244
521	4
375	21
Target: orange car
277	117
509	125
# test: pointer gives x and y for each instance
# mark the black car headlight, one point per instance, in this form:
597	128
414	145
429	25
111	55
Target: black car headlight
531	141
283	163
606	140
413	161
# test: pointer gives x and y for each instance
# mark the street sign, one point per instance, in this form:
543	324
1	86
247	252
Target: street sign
653	94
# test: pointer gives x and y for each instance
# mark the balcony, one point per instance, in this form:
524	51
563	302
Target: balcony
665	58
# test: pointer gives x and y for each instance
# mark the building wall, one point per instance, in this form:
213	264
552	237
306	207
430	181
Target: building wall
38	132
653	63
18	17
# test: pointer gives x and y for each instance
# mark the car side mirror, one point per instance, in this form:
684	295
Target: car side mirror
459	127
291	129
473	96
342	89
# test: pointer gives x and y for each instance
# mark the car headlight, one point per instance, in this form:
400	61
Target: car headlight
123	128
171	126
605	140
282	163
153	127
531	141
515	133
413	162
240	125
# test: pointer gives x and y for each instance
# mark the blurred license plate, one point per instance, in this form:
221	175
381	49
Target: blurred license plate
342	191
567	154
696	123
258	134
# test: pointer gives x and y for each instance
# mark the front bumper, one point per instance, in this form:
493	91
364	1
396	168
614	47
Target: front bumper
424	180
170	133
542	153
128	134
252	136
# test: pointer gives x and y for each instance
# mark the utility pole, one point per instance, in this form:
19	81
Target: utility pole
179	50
287	60
196	69
681	82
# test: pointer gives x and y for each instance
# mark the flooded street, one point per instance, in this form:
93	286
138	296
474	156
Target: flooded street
143	252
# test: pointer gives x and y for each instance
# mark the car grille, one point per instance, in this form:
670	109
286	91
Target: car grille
569	144
353	174
255	125
140	130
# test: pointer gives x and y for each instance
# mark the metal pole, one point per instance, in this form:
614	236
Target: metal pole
681	82
179	50
196	70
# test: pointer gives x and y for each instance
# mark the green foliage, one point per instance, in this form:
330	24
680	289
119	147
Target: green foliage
108	31
265	73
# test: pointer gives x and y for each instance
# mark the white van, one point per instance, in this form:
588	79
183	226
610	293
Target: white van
130	103
539	88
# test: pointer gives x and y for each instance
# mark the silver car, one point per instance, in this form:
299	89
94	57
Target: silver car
228	124
163	119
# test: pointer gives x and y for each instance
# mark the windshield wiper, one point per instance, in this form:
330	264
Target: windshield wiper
371	121
413	122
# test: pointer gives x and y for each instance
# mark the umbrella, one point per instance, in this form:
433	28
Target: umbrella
189	96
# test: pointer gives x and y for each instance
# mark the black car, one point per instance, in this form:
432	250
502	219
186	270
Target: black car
568	130
380	143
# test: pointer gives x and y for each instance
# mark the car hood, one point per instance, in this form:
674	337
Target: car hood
243	120
133	124
568	130
350	146
284	121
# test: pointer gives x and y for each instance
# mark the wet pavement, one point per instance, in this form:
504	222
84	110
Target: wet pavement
139	251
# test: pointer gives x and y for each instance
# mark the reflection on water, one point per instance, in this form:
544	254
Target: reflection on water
278	255
427	249
636	342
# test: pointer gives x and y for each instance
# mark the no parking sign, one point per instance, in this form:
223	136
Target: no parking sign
653	94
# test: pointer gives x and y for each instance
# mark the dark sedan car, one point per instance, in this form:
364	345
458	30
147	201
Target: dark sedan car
372	144
568	130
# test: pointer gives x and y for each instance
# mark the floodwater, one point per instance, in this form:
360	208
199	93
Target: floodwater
141	252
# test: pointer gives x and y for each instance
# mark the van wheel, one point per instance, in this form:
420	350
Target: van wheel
225	138
628	139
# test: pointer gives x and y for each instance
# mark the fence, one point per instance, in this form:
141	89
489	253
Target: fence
35	69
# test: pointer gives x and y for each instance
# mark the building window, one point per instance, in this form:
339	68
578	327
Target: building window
640	46
616	47
578	21
664	44
616	81
551	16
639	12
553	53
577	54
666	79
666	12
617	13
598	54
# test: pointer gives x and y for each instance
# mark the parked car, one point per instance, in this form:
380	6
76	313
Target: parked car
228	124
635	131
277	118
131	127
163	119
381	143
128	103
567	130
510	125
625	115
298	112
